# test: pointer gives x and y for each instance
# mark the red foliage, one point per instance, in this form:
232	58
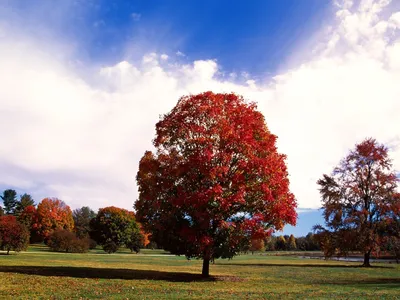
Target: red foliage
28	216
256	244
216	177
52	214
13	235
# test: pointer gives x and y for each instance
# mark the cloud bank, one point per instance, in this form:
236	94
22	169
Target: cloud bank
80	137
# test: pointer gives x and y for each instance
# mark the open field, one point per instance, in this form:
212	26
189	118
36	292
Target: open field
155	275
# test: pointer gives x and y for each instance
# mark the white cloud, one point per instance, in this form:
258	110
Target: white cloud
82	142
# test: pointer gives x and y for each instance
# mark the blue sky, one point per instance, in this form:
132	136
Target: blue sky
254	38
84	82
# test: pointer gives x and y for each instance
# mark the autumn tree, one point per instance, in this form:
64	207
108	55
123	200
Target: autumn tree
256	244
52	214
291	243
359	198
28	218
114	227
215	181
9	198
146	236
280	243
13	235
24	201
82	217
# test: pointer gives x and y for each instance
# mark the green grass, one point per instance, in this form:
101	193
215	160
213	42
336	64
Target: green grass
152	274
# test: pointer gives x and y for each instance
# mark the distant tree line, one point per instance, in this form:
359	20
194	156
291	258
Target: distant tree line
285	243
51	221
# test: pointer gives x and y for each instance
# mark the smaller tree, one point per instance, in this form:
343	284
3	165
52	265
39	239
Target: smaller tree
52	214
257	244
359	198
312	243
281	243
13	235
82	217
301	243
10	201
1	211
291	243
25	201
270	244
28	218
114	227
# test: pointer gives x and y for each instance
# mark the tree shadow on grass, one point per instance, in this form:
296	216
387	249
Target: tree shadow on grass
308	266
374	283
106	273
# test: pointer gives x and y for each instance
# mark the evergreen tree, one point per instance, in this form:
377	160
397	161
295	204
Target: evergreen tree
25	201
10	201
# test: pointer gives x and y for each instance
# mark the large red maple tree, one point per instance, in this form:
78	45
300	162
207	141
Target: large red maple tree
215	181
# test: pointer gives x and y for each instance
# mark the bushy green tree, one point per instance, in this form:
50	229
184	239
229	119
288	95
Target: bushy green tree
135	240
114	227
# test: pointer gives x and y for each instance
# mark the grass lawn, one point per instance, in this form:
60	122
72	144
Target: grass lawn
39	273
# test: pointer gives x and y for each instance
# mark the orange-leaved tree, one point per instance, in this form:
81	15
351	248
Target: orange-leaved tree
216	180
257	244
52	214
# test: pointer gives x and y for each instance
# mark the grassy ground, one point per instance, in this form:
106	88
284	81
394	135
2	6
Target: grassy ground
157	275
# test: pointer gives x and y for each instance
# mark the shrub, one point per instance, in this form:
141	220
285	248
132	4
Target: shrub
79	246
92	244
110	247
62	240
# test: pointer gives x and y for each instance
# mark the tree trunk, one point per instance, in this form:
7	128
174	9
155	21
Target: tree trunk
206	268
366	259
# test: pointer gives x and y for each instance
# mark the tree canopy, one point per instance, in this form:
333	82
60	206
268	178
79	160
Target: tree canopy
52	214
13	235
114	227
24	201
215	181
82	217
360	201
